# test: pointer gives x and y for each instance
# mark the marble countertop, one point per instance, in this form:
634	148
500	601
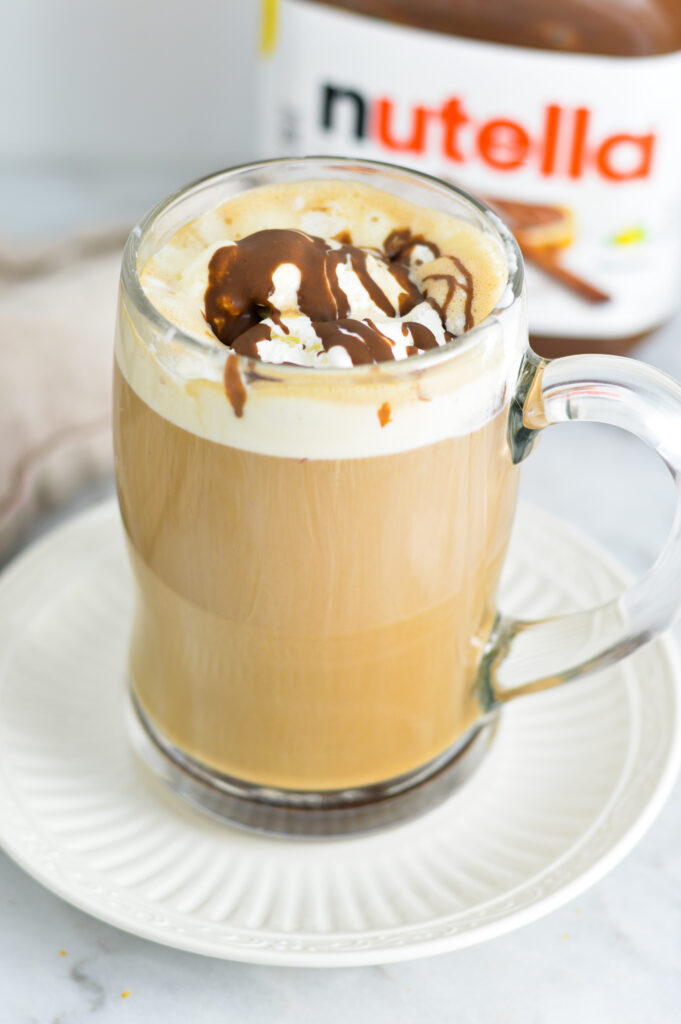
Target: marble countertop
611	957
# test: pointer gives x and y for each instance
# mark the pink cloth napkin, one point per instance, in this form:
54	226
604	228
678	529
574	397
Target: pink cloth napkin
57	312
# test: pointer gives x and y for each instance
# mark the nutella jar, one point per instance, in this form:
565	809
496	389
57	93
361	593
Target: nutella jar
560	115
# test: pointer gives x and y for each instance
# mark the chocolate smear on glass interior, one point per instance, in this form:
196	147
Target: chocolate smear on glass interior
234	385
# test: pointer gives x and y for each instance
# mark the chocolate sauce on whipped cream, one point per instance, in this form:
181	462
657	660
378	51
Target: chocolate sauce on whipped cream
453	284
400	244
321	274
241	291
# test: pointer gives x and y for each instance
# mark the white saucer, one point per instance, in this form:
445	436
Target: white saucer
573	780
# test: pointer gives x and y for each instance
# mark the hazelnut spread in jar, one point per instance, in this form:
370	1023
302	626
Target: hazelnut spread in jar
561	115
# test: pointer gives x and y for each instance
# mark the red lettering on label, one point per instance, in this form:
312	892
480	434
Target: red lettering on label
580	126
551	123
453	117
503	145
416	143
607	156
560	147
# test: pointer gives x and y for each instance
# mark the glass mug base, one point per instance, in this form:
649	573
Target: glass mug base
296	813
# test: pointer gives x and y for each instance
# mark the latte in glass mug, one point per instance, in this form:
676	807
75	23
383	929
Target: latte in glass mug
316	550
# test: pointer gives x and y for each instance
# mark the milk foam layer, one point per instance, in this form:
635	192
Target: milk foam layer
333	412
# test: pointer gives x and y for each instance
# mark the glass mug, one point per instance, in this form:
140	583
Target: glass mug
316	647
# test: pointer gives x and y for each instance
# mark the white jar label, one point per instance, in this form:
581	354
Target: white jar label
581	155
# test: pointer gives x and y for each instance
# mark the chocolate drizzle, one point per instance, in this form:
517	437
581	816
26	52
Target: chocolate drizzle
400	244
453	285
363	342
247	343
240	280
275	316
421	336
241	287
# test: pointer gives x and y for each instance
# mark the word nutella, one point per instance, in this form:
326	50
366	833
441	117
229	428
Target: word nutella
562	146
565	125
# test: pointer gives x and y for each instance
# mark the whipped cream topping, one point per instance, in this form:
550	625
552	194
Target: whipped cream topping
330	303
332	410
286	295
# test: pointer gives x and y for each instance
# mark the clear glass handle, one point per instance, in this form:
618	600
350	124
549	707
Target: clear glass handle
524	657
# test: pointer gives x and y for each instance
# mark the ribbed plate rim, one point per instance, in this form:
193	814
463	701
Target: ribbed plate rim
664	648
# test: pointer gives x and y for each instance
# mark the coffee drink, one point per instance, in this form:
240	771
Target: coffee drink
316	547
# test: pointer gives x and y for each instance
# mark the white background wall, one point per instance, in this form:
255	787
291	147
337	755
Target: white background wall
109	103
